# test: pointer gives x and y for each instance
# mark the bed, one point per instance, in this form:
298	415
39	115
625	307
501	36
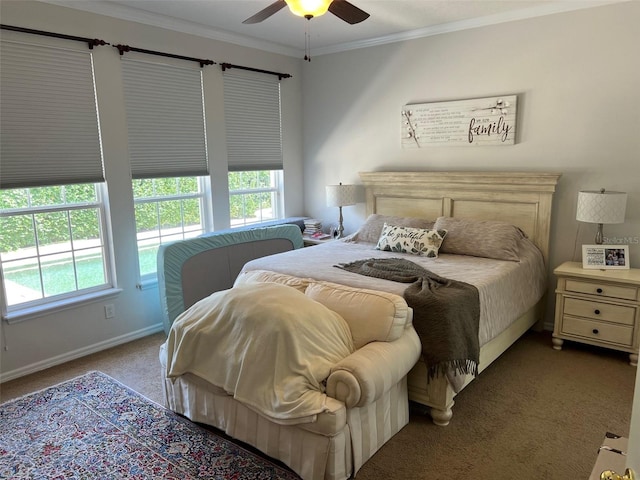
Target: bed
337	443
521	199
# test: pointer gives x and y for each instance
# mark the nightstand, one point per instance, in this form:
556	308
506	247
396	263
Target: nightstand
310	241
598	307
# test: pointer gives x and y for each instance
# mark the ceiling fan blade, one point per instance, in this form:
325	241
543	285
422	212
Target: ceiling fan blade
266	12
347	12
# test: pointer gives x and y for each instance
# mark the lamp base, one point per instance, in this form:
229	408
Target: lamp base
599	235
340	229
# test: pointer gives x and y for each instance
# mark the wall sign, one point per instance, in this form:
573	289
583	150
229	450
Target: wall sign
481	121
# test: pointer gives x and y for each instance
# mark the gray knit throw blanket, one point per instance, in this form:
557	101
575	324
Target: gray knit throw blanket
446	313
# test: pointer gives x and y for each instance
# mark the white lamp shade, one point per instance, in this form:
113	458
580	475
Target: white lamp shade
341	195
601	207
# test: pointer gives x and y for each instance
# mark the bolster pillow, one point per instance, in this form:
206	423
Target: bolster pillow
372	316
266	276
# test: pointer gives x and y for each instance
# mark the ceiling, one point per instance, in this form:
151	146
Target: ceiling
390	20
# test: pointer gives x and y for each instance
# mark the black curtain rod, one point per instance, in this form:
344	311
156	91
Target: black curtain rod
127	48
92	42
280	76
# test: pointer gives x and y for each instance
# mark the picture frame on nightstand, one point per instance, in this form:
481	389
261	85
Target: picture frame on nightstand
605	257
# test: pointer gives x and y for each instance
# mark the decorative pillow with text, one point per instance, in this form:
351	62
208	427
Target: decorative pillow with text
417	241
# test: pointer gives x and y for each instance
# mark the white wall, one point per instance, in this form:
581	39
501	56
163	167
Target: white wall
576	75
40	342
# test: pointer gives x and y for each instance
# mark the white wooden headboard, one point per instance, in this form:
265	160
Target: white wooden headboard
523	199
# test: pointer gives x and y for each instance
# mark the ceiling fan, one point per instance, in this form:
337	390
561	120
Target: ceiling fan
313	8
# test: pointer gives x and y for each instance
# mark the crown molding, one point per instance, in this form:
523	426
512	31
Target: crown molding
485	21
126	13
123	12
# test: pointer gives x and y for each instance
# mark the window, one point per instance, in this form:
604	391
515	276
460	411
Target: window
52	243
253	121
254	196
168	153
167	209
53	233
254	146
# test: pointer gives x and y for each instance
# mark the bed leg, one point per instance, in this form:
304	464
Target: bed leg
441	417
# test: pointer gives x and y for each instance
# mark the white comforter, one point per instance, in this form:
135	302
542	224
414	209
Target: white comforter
266	344
507	289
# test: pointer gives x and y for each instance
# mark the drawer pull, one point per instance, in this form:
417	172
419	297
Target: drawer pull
596	311
599	290
595	331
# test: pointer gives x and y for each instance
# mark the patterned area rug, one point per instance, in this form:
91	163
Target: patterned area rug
93	427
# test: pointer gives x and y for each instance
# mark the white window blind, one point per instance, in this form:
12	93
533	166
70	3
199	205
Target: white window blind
252	119
49	132
165	120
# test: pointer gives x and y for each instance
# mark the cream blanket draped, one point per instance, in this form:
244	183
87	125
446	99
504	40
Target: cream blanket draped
267	344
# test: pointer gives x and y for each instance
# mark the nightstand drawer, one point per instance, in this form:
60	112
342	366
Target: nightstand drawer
599	311
601	289
598	331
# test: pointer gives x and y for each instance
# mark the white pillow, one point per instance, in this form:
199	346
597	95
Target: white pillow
267	276
417	241
371	315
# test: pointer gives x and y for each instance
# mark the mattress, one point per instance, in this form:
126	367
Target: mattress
507	289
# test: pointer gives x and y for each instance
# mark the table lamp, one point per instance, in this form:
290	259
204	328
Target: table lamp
601	207
340	196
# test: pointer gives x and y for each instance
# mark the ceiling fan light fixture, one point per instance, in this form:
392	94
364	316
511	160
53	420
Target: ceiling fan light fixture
308	8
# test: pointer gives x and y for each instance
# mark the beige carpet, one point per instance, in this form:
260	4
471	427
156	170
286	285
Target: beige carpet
536	413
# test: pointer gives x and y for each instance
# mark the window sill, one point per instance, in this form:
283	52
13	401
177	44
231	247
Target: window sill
23	314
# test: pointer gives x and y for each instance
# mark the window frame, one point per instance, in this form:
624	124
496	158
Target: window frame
277	190
58	302
150	279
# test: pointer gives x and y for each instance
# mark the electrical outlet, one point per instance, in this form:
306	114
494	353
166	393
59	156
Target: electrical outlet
109	311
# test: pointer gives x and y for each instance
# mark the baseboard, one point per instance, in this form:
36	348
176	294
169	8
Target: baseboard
81	352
